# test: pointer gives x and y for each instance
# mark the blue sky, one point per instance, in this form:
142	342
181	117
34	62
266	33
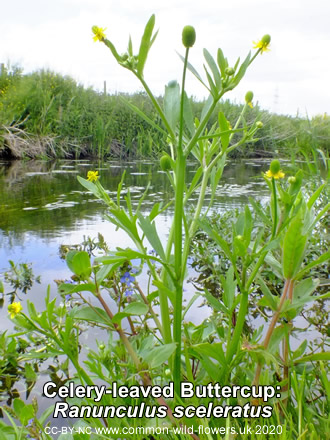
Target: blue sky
292	77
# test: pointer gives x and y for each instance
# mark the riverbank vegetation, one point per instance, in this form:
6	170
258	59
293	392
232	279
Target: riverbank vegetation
46	115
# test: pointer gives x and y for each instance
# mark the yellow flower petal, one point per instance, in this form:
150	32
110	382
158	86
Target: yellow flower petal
263	46
14	308
92	176
99	33
278	175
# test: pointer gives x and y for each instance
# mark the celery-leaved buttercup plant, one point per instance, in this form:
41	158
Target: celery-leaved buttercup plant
187	138
149	341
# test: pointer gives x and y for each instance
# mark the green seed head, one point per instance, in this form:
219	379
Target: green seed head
248	96
188	36
95	29
275	166
165	162
266	39
229	71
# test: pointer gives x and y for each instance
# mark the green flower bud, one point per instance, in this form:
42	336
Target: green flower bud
172	83
266	39
95	29
101	346
259	124
188	36
292	179
165	162
124	56
275	166
239	237
229	71
248	96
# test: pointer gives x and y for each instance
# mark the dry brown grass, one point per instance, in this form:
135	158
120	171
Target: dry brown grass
21	144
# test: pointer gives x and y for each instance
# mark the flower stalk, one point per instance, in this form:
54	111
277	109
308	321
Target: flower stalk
178	225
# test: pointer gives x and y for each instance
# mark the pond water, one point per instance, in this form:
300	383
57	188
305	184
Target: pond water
43	206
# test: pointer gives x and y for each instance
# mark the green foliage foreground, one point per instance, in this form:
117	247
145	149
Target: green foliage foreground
149	342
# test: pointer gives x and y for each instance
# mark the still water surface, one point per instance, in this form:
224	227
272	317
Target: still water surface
42	206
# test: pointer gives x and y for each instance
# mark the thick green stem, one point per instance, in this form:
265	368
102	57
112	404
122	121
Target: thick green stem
179	270
275	207
178	224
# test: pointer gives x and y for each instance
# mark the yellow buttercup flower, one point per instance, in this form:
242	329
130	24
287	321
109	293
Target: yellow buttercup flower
278	175
92	176
275	170
262	44
14	308
99	34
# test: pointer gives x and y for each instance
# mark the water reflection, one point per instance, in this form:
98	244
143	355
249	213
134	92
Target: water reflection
43	206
